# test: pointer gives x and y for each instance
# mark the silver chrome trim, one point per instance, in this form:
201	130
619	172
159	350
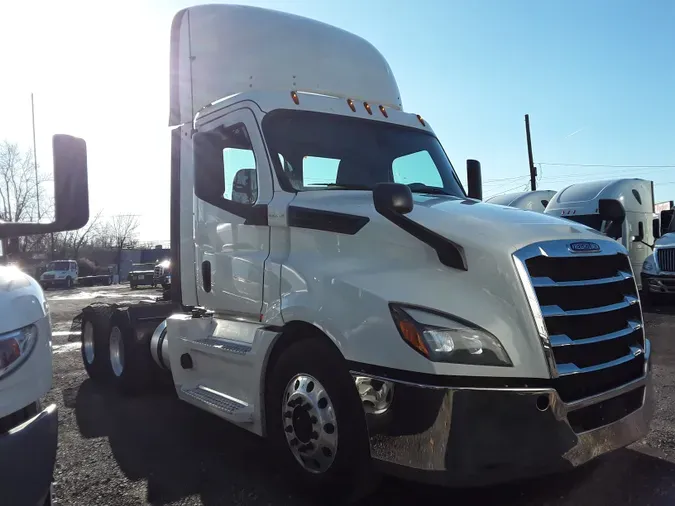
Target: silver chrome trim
535	309
552	311
443	432
564	340
545	282
567	369
559	249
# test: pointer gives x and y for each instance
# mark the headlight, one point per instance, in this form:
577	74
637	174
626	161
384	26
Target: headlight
443	338
649	265
15	347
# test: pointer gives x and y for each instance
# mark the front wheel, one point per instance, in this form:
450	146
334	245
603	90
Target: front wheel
69	283
315	418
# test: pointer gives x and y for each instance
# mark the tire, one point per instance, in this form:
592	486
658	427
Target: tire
133	287
131	363
69	283
337	467
94	337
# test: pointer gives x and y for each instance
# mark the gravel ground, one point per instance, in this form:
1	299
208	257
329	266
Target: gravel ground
160	451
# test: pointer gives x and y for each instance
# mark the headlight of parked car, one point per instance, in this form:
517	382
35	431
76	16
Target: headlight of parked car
15	347
649	265
444	338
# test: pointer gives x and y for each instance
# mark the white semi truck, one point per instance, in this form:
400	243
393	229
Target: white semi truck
536	200
658	270
28	428
580	203
335	289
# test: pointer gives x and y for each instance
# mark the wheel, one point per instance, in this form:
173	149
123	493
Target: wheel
166	286
316	421
131	363
69	283
94	334
133	286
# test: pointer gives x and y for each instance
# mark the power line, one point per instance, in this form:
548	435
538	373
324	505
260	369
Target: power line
556	164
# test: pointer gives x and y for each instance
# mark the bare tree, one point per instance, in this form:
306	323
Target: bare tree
78	238
124	230
20	190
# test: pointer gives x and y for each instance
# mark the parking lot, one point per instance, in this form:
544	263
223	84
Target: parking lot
158	450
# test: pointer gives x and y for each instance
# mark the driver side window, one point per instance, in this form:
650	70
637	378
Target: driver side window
239	166
416	167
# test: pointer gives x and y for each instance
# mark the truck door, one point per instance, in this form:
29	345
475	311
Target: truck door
232	240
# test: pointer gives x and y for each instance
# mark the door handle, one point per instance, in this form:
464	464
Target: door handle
206	275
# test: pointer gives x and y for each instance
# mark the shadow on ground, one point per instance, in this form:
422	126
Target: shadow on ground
181	451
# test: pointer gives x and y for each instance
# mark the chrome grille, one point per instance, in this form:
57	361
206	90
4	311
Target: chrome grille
666	259
588	315
158	271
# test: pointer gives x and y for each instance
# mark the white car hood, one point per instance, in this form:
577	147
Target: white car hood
22	301
666	240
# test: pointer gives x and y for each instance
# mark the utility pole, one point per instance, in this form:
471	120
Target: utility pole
533	169
37	180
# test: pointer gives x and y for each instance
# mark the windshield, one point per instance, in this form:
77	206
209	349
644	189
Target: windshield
58	266
143	267
590	220
315	151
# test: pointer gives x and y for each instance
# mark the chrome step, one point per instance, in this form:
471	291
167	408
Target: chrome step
233	409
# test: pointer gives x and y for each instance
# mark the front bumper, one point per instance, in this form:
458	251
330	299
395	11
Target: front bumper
50	283
484	436
658	283
27	458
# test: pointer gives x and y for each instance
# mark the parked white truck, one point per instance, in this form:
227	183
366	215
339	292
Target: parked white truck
658	270
28	429
580	203
62	273
336	291
536	200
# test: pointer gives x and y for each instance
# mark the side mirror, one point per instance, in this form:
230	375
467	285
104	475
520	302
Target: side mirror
474	179
641	233
71	191
667	221
395	197
207	156
656	226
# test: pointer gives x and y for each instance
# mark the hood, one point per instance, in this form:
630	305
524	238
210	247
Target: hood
56	273
22	301
467	222
667	240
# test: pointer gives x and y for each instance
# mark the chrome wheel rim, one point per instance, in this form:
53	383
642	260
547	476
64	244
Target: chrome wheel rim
309	423
116	351
88	342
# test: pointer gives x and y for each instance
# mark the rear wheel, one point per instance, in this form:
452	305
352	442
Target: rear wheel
131	364
133	286
315	418
94	334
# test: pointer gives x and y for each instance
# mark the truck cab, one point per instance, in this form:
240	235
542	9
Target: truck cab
61	273
581	203
536	200
337	290
658	270
28	427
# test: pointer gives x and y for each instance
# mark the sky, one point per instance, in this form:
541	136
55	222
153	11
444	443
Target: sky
596	78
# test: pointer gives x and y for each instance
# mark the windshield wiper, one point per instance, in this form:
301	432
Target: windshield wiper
344	186
422	188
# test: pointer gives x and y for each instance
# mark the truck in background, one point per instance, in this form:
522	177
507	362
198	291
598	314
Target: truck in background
533	200
582	202
28	429
336	290
658	269
61	273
